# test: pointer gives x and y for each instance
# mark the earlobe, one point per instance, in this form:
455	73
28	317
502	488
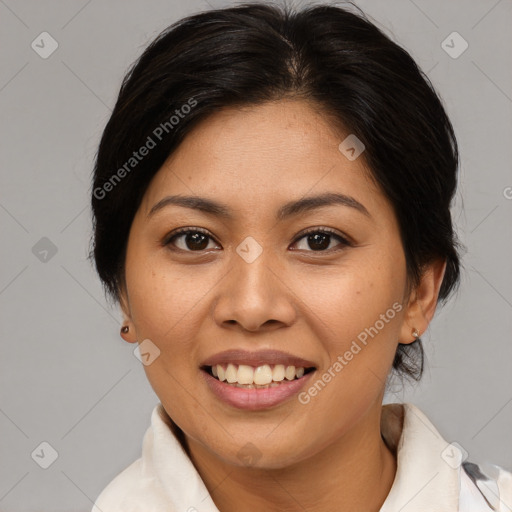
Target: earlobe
127	331
127	334
422	302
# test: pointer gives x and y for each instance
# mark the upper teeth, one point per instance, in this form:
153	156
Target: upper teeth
261	375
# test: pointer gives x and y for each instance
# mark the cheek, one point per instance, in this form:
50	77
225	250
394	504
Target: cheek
353	298
167	304
358	318
165	297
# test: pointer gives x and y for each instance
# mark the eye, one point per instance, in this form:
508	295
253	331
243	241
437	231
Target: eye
192	239
319	239
197	239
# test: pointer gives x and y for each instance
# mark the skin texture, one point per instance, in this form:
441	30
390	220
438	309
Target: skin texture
319	456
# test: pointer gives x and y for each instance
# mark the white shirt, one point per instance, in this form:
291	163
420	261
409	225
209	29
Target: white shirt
431	474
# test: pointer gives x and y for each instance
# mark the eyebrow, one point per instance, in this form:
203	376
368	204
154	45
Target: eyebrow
289	209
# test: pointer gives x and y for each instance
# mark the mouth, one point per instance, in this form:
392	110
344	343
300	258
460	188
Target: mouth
256	377
256	381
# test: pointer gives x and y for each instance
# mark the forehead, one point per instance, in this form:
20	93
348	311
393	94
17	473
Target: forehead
270	152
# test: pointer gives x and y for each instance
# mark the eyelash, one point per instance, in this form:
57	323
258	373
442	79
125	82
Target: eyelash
184	231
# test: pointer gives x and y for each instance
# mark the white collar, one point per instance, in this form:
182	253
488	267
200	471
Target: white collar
164	478
428	475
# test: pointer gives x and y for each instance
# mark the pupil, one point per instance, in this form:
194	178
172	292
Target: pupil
321	239
199	241
196	242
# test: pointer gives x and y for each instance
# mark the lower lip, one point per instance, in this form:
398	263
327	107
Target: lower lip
255	399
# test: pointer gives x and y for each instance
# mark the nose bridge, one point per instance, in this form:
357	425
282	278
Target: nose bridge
252	265
253	293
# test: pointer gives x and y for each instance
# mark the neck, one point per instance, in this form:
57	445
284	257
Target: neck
355	472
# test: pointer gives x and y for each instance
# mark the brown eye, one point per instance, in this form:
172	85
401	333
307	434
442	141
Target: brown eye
190	240
319	240
197	240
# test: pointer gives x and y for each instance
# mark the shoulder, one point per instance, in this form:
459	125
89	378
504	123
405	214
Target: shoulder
432	473
129	489
138	487
116	493
485	487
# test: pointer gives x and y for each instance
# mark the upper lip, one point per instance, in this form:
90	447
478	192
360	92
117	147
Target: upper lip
258	358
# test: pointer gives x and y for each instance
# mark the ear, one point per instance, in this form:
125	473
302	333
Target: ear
131	335
423	301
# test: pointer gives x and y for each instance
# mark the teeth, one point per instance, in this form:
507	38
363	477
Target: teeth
245	375
278	373
231	373
290	372
261	377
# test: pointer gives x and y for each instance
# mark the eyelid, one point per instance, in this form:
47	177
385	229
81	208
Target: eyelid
175	233
345	240
320	229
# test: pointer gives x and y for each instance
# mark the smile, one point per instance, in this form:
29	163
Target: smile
259	377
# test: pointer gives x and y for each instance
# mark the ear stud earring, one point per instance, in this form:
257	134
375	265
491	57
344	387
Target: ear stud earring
415	333
125	329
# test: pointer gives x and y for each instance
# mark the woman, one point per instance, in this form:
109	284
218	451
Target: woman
272	213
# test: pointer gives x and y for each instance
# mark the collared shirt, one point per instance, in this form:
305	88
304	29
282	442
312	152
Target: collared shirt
432	474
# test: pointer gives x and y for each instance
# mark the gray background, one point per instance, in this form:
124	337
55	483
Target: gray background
68	379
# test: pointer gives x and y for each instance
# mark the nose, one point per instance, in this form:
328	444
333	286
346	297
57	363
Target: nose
255	296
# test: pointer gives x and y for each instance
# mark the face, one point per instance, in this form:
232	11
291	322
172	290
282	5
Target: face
268	277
